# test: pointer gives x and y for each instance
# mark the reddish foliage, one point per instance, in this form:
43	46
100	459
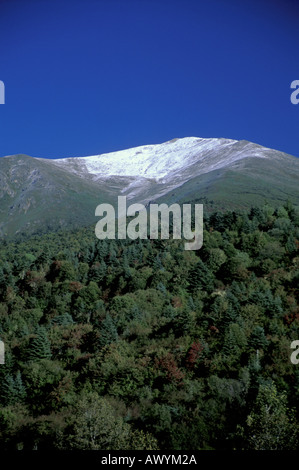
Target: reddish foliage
193	354
75	286
176	302
214	329
292	316
169	365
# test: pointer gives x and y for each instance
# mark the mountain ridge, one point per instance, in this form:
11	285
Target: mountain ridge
38	194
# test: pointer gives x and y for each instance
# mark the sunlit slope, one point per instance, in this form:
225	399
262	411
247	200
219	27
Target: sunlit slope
244	184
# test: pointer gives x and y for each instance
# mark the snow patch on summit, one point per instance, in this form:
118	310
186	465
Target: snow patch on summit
149	161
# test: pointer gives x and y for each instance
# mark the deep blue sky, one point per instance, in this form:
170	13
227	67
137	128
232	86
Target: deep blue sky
84	77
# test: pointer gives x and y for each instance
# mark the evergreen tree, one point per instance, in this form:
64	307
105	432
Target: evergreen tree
12	389
200	277
258	338
40	347
108	331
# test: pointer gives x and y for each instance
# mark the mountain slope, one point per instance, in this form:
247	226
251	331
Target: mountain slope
38	195
35	197
243	184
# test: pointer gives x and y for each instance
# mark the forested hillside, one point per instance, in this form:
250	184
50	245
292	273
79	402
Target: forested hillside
143	345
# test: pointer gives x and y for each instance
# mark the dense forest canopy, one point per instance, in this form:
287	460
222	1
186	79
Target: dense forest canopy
121	344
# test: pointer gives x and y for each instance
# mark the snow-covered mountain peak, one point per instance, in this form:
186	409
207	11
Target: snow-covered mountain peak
148	161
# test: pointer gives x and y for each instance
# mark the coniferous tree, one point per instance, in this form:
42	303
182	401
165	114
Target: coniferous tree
40	347
12	389
108	331
200	277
